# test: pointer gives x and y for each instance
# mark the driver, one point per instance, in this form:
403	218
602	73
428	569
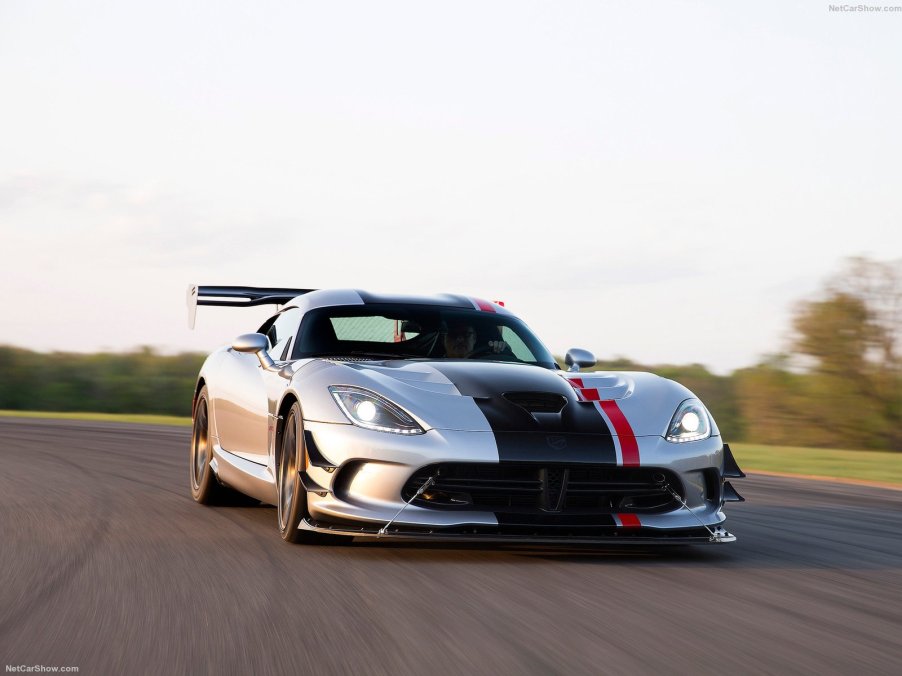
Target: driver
460	341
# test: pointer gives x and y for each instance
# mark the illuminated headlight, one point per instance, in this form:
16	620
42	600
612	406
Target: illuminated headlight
689	423
368	409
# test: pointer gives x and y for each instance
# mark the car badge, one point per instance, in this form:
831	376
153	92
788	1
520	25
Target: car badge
556	443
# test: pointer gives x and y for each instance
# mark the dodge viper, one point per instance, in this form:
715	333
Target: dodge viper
444	417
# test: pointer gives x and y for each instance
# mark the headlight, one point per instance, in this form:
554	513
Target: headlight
367	409
689	423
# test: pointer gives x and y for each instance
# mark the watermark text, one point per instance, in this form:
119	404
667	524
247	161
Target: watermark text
39	669
866	8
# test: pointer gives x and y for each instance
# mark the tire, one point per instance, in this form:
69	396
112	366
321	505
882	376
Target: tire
205	487
292	498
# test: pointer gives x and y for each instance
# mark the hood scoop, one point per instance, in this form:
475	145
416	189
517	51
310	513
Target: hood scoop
537	402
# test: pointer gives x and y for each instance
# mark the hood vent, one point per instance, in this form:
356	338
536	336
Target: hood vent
537	402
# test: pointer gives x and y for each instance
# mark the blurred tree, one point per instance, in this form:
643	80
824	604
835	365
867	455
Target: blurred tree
771	404
849	342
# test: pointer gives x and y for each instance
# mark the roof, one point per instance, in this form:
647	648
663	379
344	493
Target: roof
333	297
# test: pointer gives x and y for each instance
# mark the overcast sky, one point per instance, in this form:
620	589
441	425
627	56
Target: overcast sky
657	180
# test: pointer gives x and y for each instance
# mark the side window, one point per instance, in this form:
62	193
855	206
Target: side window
266	326
282	332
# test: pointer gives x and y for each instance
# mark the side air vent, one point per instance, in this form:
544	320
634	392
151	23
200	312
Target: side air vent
537	402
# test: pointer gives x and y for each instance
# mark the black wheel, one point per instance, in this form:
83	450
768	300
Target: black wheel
205	487
292	502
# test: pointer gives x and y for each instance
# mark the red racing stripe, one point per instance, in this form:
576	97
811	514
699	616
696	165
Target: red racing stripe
628	447
484	305
577	384
629	521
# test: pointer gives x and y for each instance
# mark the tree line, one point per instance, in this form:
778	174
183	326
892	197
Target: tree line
134	382
838	383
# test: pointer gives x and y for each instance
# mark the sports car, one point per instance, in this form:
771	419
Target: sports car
444	417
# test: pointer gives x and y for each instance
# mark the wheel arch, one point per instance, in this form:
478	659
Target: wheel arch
201	383
288	400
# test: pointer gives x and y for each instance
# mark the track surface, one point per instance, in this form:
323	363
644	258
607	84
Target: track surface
107	564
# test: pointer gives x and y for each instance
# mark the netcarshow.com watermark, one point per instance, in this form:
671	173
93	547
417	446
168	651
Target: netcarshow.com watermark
39	669
865	8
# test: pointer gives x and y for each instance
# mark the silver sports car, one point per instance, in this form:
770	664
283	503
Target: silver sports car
366	415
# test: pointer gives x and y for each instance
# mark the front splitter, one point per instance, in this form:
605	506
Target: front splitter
614	536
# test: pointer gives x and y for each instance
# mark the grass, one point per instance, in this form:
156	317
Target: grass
880	466
102	417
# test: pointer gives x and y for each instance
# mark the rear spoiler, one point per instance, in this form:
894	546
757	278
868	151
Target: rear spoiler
237	296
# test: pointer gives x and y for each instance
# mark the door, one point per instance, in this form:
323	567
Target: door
248	394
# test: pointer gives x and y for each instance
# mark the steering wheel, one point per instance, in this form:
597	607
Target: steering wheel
487	350
482	351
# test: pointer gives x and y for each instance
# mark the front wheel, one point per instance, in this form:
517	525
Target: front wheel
292	502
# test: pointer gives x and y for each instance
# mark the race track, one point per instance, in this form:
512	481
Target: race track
108	565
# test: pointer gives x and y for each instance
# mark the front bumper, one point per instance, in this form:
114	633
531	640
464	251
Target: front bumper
357	477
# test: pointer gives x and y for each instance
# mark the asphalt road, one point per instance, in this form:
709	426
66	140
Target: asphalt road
106	564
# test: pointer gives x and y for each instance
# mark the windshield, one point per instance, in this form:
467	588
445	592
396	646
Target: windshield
417	331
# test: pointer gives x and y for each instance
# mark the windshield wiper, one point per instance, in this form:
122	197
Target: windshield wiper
364	353
389	355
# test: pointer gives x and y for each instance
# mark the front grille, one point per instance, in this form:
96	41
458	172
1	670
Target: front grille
527	488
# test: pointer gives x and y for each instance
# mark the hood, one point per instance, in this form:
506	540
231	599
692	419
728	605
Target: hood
495	396
489	379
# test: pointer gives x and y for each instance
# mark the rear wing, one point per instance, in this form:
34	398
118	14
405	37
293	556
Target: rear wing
237	296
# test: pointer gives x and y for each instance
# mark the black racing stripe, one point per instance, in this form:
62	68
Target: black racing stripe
555	447
463	301
578	434
441	300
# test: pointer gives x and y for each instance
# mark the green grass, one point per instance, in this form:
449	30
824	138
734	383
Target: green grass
881	466
102	417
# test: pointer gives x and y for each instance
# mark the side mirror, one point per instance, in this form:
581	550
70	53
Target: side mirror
254	343
576	358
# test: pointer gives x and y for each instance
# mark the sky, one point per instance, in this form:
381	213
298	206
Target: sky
658	180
